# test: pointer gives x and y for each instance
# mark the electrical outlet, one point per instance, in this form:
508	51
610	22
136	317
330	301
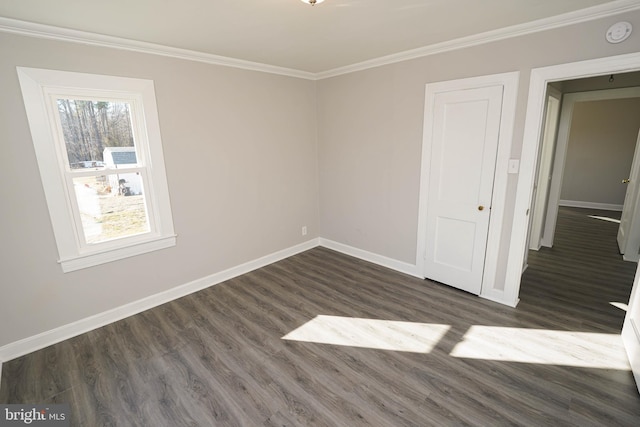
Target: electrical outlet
304	230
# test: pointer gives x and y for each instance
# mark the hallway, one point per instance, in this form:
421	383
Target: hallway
582	274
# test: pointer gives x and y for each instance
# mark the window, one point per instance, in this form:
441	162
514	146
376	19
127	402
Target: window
97	141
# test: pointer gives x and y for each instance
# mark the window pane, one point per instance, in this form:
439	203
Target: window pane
97	133
111	206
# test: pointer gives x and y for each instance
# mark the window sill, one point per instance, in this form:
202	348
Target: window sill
90	260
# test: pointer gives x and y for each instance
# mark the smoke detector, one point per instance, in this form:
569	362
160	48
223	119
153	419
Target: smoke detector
619	32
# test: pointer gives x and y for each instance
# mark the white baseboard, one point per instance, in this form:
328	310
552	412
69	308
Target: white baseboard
590	205
402	267
27	345
39	341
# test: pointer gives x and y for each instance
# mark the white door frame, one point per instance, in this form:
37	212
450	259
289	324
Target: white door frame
542	187
510	83
564	132
540	77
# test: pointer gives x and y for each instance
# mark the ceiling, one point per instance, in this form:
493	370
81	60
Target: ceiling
295	35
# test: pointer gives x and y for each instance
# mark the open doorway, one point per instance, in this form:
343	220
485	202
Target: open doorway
588	140
539	80
573	262
587	163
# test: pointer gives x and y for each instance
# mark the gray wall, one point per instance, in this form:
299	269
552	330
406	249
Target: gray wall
600	150
241	161
370	132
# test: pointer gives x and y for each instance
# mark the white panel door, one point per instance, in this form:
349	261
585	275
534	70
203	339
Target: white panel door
628	231
464	143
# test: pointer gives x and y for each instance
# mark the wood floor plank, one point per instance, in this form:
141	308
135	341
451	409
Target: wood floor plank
218	357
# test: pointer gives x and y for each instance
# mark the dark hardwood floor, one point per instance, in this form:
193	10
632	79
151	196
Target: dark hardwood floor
218	357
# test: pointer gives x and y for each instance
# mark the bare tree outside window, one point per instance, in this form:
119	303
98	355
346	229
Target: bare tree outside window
91	126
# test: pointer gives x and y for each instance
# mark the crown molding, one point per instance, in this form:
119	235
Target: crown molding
31	29
570	18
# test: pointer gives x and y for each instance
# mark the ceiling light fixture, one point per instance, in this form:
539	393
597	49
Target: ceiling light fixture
313	2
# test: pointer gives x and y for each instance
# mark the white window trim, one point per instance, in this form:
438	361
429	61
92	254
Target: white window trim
36	86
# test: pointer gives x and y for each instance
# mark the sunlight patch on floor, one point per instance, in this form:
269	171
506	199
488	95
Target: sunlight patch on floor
370	333
604	218
540	346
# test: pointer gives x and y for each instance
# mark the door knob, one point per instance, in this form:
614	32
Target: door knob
480	208
625	181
